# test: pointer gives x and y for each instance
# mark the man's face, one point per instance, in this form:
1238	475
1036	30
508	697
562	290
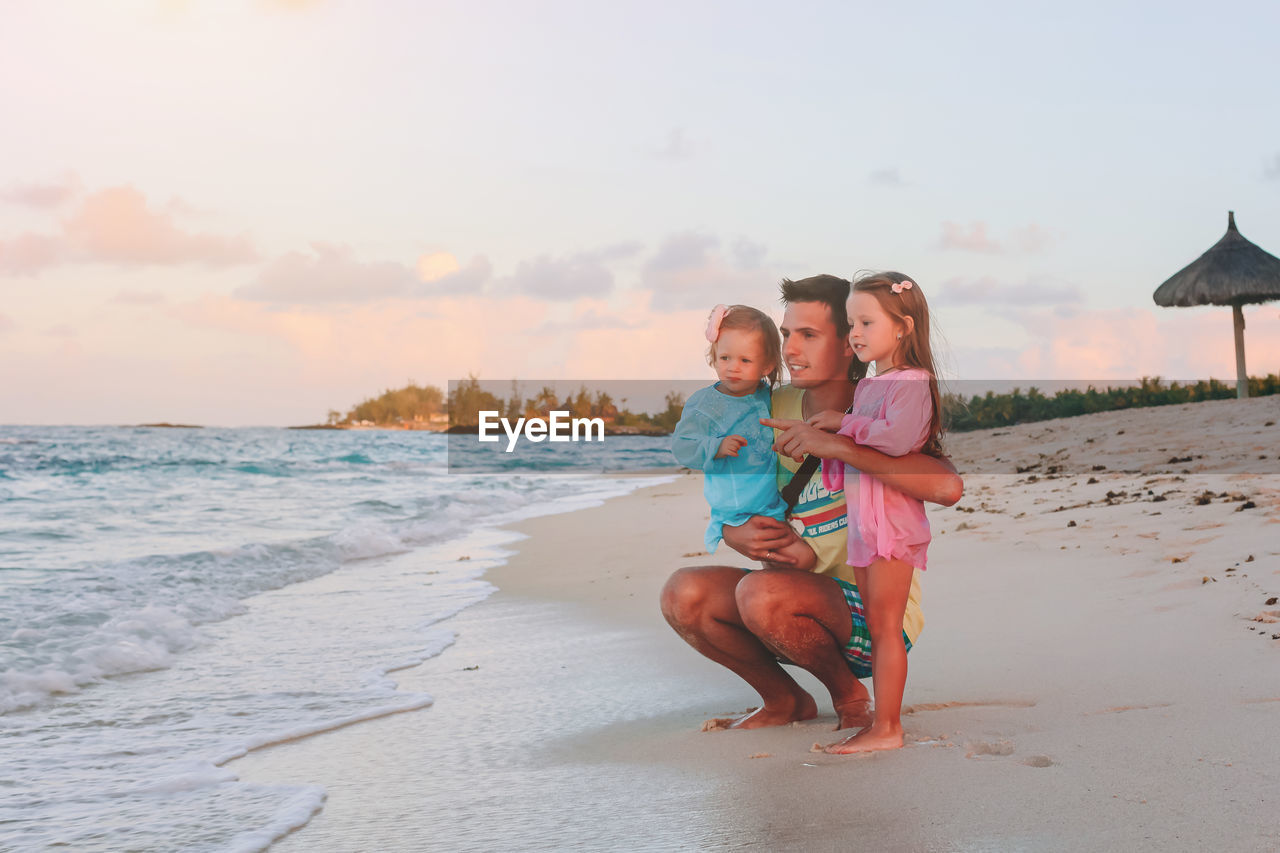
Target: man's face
812	349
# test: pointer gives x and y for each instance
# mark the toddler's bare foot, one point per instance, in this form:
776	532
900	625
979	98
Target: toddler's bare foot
867	740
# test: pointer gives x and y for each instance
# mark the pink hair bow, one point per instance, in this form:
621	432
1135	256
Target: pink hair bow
714	321
900	286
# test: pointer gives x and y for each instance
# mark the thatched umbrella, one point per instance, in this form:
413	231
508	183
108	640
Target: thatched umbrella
1233	272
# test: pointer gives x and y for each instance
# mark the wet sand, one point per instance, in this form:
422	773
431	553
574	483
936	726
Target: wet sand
1100	669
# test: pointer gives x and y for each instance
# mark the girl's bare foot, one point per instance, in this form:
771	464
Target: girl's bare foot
867	740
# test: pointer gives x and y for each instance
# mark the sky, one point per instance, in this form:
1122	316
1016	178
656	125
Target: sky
251	212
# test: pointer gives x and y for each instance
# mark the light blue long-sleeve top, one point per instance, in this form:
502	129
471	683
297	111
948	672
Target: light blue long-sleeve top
736	487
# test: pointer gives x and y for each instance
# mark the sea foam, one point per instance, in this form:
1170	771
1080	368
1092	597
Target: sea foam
177	598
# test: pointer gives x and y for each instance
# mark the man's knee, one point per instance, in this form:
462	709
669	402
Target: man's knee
762	598
684	596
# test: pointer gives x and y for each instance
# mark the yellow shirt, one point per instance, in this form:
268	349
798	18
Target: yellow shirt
825	519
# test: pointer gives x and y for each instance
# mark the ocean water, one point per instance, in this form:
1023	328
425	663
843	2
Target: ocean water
171	599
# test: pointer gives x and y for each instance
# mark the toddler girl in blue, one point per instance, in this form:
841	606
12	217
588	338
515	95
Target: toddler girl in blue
720	432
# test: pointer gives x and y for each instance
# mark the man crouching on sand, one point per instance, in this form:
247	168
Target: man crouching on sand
805	611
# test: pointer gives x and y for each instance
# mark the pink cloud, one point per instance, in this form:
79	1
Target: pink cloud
116	225
493	337
43	195
1128	343
974	237
292	5
29	253
6	323
380	344
137	297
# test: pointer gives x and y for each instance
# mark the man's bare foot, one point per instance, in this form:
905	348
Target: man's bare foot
854	713
802	707
867	740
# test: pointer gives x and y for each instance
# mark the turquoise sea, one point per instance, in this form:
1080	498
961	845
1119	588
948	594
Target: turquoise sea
146	637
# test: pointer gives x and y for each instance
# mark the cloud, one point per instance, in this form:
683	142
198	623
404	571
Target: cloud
972	238
747	254
676	147
43	195
6	323
643	351
137	297
592	315
471	279
437	265
565	278
996	294
493	337
29	253
690	270
61	330
1128	343
291	5
329	274
888	177
1032	239
586	274
116	225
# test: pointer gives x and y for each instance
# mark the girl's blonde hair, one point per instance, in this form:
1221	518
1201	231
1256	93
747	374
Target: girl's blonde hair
914	349
746	318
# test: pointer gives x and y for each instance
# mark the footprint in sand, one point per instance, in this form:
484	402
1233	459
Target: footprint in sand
981	747
1119	709
942	706
719	724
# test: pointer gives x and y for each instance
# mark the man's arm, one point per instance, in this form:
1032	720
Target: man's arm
764	539
922	477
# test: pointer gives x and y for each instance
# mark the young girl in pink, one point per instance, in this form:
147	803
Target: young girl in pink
896	411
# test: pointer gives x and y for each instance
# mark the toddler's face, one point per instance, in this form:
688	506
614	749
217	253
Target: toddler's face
740	361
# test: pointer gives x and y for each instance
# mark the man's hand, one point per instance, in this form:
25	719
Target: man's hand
730	445
798	438
761	538
828	421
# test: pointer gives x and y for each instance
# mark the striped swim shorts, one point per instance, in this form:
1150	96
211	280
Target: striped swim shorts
857	652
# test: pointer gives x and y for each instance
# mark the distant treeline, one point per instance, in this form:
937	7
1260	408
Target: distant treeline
428	405
998	410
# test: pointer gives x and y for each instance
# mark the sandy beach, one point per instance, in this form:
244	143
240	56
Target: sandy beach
1100	669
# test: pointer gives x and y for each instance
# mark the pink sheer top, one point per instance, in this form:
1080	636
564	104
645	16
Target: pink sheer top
891	413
